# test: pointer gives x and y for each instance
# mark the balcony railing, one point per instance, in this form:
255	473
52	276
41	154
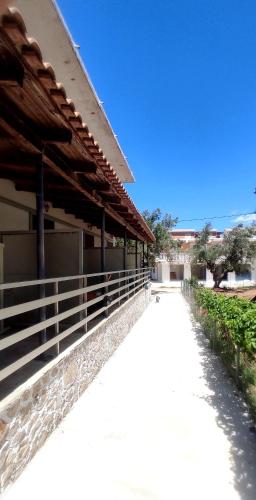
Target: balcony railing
59	311
181	258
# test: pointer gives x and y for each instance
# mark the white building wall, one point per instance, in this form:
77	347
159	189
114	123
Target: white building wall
253	270
163	271
13	218
187	271
16	205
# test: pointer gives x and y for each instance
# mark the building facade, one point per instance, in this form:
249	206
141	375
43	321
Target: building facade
181	266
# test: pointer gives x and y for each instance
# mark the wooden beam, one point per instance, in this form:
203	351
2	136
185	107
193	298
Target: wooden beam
118	207
129	217
27	135
54	134
19	159
72	204
11	69
100	186
85	167
111	197
30	185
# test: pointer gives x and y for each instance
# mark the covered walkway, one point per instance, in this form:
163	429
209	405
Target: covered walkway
161	421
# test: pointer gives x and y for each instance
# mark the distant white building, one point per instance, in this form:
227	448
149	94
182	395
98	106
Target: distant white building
181	267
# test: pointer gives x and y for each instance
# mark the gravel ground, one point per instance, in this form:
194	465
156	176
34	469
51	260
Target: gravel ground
161	421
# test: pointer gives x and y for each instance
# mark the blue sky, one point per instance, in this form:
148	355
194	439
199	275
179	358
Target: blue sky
178	82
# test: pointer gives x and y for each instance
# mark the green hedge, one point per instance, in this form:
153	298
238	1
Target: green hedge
233	314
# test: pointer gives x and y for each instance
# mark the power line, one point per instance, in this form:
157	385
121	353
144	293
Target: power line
215	217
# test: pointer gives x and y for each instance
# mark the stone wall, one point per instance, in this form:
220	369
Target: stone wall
33	411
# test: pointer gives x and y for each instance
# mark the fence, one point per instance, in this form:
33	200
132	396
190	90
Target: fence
56	309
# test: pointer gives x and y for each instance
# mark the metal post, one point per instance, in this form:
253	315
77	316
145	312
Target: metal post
81	271
125	250
130	283
40	240
136	265
56	312
103	252
125	258
103	243
136	253
119	293
85	302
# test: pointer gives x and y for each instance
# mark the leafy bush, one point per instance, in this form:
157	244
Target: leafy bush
192	282
233	314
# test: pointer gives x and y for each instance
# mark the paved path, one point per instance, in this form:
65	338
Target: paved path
161	421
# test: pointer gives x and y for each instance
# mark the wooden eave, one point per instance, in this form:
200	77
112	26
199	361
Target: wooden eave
39	123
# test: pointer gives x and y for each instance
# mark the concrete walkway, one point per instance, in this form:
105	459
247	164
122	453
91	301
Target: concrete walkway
161	421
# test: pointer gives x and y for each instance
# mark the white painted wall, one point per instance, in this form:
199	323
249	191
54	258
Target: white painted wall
97	241
63	255
187	271
163	271
253	270
1	262
114	260
16	218
19	257
13	219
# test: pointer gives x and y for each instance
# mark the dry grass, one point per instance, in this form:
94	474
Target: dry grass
249	294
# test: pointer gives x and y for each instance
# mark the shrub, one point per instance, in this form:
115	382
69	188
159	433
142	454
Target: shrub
232	314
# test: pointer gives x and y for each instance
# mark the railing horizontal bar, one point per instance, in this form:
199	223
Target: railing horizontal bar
31	330
27	332
128	285
114	272
52	299
13	367
50	343
125	294
21	284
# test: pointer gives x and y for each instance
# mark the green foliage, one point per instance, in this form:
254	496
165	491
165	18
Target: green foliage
249	376
227	255
191	282
161	226
234	315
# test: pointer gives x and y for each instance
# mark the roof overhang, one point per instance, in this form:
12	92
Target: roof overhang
38	123
58	49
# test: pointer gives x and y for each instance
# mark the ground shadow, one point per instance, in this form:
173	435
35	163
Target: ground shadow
232	416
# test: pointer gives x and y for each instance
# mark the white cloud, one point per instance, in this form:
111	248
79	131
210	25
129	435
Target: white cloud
246	218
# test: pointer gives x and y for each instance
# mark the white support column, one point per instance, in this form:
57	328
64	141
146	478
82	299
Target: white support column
209	278
187	271
232	278
253	270
163	268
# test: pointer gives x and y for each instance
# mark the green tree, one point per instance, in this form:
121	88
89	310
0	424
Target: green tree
161	226
227	255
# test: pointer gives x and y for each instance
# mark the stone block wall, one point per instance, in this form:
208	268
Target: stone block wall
33	411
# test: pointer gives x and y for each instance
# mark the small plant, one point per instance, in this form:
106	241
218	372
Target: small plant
192	282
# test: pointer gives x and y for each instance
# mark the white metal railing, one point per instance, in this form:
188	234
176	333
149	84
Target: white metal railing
107	293
180	257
